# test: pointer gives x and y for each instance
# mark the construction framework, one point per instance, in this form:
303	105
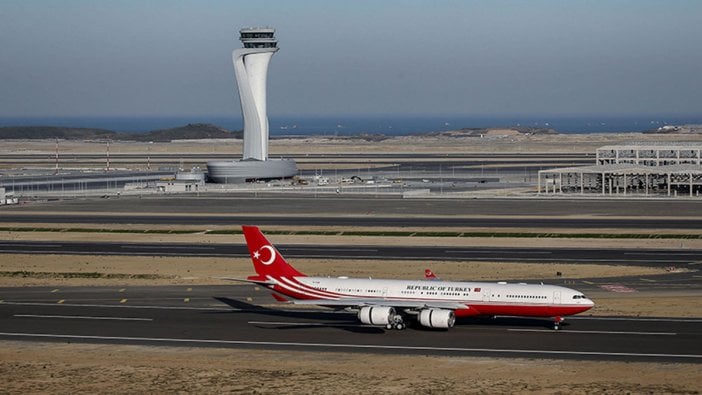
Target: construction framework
635	169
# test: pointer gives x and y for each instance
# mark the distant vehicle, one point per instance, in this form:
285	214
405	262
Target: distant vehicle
392	303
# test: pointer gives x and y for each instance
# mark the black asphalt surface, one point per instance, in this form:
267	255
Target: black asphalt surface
362	221
366	206
229	316
618	256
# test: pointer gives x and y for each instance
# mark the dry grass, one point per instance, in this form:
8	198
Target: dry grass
69	368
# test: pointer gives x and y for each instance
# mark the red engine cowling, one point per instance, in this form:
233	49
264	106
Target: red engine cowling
437	318
376	315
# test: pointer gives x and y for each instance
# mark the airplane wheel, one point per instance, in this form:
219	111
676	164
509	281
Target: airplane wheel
388	326
400	326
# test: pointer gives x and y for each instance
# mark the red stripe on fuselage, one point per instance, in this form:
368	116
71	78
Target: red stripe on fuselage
520	310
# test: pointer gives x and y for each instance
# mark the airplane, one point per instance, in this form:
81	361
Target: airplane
393	303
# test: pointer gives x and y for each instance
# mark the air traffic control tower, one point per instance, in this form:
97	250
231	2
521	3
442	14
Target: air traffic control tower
251	71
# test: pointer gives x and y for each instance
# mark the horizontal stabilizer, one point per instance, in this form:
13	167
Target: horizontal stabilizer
246	280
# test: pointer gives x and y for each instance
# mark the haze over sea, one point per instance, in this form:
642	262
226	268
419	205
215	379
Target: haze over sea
388	125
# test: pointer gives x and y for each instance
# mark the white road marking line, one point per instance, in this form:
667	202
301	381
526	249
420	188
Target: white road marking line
496	252
597	332
122	253
352	346
121	306
306	323
662	253
166	247
694	320
54	290
25	245
328	249
82	317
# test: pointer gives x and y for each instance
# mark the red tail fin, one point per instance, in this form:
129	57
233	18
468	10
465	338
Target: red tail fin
429	275
266	259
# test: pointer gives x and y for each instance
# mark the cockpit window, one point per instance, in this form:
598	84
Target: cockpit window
579	297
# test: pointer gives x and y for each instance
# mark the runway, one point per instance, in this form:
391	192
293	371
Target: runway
361	221
227	316
358	206
613	256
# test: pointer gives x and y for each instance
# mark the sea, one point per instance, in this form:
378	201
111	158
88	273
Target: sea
391	125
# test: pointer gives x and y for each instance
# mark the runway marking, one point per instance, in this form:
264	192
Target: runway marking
597	332
54	290
123	301
123	306
694	320
305	323
588	282
648	280
61	301
189	290
496	252
351	346
33	245
384	257
82	317
122	290
621	288
329	249
662	253
165	247
186	300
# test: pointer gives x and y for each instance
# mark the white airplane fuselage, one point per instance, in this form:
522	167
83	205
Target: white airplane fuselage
480	298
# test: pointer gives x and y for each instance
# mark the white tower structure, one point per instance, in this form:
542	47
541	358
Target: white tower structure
251	70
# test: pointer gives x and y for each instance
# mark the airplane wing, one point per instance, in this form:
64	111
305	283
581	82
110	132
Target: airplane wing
361	302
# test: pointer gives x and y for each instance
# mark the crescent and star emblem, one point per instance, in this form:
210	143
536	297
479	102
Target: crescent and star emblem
271	250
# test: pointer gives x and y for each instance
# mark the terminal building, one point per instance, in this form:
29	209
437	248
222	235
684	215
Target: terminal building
645	169
251	72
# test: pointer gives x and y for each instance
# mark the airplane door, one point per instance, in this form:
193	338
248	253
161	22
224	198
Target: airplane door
556	297
385	292
486	295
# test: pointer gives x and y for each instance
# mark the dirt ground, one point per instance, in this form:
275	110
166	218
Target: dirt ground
82	368
586	143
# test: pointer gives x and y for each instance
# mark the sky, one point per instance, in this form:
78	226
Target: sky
489	58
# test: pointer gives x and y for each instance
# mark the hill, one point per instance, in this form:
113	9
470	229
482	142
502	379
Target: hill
188	132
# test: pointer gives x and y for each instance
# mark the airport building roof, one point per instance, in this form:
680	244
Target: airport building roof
623	168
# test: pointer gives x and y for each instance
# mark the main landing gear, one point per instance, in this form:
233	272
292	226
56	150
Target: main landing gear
557	323
396	323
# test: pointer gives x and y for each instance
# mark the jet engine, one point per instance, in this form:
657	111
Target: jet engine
437	318
376	315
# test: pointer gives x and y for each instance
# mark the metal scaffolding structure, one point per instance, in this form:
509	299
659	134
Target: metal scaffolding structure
668	169
650	154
